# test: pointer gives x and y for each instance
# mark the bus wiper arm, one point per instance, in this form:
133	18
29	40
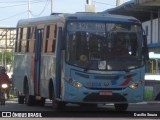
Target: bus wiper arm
88	66
126	70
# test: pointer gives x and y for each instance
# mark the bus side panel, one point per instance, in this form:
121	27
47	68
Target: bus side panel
47	73
22	68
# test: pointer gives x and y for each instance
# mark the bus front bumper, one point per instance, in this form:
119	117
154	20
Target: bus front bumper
84	95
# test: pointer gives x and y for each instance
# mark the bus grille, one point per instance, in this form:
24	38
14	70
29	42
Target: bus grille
95	97
82	75
106	88
107	77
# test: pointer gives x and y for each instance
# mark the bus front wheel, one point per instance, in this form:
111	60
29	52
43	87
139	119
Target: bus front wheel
57	105
121	107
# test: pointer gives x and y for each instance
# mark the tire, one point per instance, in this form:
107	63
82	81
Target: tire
29	99
3	101
57	105
40	102
158	97
121	107
20	99
88	105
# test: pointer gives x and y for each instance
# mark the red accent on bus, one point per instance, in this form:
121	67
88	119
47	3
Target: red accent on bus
128	79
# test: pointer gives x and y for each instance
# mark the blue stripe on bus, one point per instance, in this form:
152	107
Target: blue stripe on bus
58	65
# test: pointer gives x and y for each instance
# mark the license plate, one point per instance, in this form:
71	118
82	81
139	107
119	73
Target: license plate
105	93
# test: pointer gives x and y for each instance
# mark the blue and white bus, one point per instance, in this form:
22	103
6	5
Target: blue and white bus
82	58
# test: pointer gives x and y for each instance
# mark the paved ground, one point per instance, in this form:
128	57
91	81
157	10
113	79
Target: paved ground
74	112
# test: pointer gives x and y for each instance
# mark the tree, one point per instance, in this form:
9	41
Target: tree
6	57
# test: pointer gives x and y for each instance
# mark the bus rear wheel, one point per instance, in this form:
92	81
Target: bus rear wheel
40	102
20	99
121	107
88	105
29	99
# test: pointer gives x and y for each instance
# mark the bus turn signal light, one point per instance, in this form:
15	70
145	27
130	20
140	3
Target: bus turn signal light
73	82
135	85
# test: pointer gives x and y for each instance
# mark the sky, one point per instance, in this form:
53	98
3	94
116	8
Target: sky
13	10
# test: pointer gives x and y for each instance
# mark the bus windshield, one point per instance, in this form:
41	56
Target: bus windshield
104	46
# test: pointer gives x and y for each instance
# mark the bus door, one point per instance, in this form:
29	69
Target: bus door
38	42
58	63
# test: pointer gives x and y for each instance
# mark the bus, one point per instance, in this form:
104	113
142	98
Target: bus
81	58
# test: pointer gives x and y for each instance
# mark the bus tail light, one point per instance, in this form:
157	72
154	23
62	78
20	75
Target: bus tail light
73	82
135	85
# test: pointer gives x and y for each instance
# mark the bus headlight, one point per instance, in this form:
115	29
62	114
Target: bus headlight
135	85
73	82
4	86
77	84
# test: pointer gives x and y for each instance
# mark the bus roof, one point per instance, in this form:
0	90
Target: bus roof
40	20
79	16
101	17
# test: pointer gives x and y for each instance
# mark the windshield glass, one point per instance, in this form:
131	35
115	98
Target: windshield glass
104	46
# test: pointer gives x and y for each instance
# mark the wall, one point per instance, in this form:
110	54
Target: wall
154	33
142	1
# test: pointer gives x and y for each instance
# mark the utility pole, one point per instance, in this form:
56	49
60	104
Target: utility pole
28	8
51	6
119	2
90	7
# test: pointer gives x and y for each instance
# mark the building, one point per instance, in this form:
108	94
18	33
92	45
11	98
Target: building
119	2
7	37
90	7
148	12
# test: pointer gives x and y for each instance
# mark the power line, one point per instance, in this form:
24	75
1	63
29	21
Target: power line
47	2
104	3
21	1
21	4
13	16
46	5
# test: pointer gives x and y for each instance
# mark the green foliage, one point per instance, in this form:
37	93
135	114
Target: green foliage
6	57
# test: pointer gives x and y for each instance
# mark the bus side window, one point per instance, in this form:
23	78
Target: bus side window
49	38
52	39
32	40
17	40
20	34
46	37
15	50
28	38
24	40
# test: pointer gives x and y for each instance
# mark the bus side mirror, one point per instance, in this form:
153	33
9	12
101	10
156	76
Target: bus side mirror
145	48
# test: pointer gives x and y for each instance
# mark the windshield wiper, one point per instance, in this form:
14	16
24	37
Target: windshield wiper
88	66
126	70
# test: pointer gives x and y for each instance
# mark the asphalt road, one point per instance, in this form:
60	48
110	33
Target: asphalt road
141	110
